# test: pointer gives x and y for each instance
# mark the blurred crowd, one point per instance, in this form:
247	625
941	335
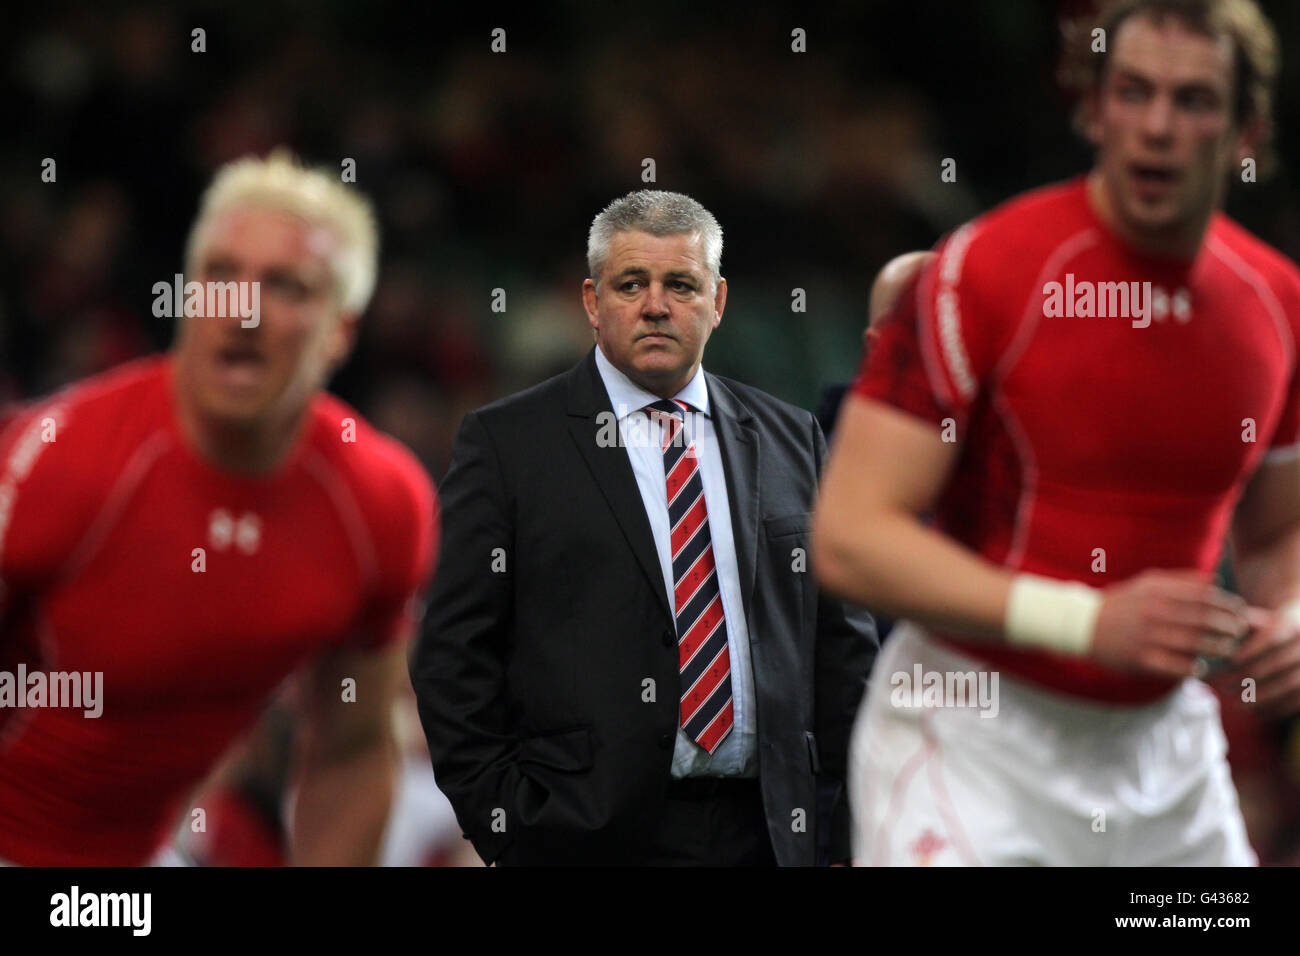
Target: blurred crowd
487	168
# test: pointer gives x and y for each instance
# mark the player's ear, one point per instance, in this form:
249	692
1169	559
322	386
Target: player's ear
1090	116
719	301
1254	134
342	338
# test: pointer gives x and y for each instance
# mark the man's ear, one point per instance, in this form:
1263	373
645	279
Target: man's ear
719	301
590	304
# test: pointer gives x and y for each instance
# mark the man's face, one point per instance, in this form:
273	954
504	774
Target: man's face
1163	123
656	307
243	375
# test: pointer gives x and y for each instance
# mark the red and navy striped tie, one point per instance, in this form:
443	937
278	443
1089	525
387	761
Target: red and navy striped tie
703	656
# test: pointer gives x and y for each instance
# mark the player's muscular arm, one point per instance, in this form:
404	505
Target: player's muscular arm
1266	536
869	544
886	472
1266	545
348	757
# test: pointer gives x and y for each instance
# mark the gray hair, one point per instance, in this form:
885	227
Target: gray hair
659	213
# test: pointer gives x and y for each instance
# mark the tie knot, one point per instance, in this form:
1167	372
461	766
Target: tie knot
668	406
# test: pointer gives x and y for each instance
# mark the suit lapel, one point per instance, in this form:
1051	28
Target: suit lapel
611	468
738	441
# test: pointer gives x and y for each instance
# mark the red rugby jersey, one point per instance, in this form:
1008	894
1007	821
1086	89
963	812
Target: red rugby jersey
1088	438
98	538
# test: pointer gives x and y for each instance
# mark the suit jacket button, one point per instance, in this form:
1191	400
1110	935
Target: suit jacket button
665	741
669	638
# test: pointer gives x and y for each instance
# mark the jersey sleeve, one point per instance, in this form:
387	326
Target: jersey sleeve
939	343
408	550
1284	443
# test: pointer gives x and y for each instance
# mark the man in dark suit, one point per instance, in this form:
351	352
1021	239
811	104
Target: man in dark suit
625	657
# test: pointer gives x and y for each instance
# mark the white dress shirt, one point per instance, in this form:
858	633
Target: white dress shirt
737	755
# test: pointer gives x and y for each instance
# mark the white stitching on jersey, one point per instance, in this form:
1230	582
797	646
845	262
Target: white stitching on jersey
1257	282
1028	481
949	319
345	503
1055	261
938	384
22	459
1052	265
1274	308
146	455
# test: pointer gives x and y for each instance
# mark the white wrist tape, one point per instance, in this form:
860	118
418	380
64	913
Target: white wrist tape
1057	615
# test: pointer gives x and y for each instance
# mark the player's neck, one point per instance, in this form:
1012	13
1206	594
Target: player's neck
247	449
1182	244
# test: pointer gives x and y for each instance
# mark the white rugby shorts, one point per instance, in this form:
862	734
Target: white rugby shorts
1044	780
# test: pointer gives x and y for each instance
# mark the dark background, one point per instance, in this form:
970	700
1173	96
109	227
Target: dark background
487	169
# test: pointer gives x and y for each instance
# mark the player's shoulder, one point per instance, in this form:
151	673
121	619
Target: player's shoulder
1017	236
139	384
368	472
61	456
98	420
1050	203
387	480
1248	253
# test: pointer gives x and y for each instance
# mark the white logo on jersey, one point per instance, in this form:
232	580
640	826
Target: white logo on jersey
1179	304
248	533
224	530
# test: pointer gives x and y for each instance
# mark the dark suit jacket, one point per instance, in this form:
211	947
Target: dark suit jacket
548	614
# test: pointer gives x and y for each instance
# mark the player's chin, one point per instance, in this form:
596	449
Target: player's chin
237	407
1157	216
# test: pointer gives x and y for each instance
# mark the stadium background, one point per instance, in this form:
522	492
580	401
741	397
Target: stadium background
486	170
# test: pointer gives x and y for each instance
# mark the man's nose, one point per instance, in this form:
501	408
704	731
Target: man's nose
1157	118
656	300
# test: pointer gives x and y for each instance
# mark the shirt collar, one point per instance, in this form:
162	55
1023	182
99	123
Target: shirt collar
627	397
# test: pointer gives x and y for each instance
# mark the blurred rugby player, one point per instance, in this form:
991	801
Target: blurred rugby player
204	524
1090	387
